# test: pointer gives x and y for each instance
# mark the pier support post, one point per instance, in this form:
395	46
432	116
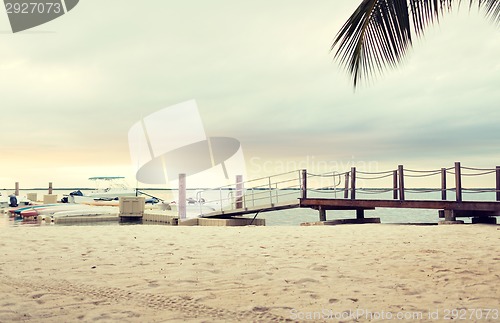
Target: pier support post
498	182
458	182
395	185
182	197
353	183
450	218
346	187
239	191
443	184
16	190
449	215
322	214
401	183
360	214
50	188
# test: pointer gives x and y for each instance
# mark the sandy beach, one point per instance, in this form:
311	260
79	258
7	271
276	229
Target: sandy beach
204	274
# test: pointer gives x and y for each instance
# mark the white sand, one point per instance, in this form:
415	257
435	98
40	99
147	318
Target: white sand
159	273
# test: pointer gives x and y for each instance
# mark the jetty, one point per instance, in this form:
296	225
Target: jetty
342	191
454	192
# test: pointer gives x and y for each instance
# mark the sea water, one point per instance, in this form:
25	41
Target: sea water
293	217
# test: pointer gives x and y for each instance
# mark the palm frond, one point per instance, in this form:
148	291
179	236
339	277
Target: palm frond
491	8
379	33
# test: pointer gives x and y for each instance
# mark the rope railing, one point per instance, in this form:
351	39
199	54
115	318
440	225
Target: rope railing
326	174
288	186
479	169
426	190
422	171
375	173
422	174
480	190
374	190
402	173
378	177
480	174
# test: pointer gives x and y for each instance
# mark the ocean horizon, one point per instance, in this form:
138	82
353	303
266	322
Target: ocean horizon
295	217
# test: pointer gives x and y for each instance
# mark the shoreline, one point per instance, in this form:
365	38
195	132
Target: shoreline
148	273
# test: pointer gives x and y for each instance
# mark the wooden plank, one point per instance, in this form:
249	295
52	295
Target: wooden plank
414	204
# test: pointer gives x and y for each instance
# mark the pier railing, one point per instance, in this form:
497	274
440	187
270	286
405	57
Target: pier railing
264	191
397	184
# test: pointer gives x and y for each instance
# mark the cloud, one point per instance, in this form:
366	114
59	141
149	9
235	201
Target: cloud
261	72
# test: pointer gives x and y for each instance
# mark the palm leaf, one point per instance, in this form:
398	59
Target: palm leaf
379	33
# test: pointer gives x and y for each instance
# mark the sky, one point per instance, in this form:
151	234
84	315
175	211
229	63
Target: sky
260	71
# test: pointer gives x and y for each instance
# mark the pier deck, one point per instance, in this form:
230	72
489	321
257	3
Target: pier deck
302	185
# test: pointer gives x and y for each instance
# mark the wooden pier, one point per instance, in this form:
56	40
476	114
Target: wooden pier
302	189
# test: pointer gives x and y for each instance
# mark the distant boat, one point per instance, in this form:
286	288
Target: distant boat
108	188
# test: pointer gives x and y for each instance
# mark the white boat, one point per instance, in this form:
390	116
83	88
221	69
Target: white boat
108	188
87	211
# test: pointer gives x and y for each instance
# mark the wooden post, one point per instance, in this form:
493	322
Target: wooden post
401	183
303	186
270	191
458	181
353	183
443	184
239	191
322	214
346	189
50	188
395	185
449	215
16	193
182	197
360	214
498	182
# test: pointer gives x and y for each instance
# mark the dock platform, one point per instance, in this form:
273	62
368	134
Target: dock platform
300	189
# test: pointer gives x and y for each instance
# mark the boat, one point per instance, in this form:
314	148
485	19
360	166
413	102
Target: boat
88	211
49	209
35	210
6	201
108	188
62	210
18	210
